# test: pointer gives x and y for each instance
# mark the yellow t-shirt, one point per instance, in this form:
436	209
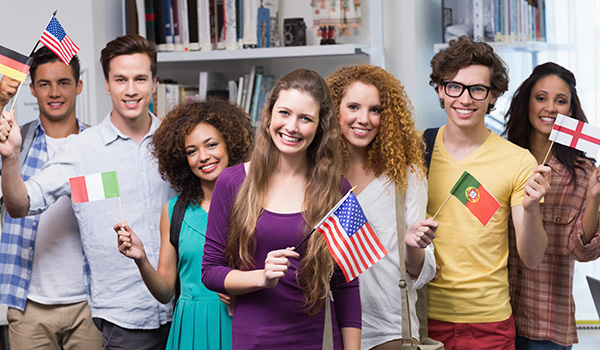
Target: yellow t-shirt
473	284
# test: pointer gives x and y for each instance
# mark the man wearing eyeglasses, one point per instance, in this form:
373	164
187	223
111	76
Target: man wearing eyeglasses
469	306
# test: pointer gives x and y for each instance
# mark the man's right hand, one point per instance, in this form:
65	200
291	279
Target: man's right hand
8	88
10	135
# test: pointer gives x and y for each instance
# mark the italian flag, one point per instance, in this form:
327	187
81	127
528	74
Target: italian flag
94	187
475	197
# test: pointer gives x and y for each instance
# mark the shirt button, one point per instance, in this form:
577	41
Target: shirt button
558	219
519	271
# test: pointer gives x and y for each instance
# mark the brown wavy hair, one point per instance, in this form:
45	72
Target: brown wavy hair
168	142
323	188
397	147
464	52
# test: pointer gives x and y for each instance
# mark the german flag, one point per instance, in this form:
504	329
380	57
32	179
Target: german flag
13	64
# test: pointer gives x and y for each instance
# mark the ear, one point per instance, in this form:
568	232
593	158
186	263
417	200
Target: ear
440	90
154	81
494	96
79	86
106	87
32	89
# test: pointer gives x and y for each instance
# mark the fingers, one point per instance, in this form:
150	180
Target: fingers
437	273
225	298
277	264
421	233
538	184
6	124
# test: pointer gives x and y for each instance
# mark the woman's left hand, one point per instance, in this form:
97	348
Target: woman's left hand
421	233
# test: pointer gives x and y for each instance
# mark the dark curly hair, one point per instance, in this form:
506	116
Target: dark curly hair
464	52
518	126
168	142
397	147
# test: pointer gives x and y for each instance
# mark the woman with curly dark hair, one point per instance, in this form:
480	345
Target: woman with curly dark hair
384	155
541	297
193	145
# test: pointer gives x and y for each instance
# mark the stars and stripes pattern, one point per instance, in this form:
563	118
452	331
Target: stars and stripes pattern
351	240
56	39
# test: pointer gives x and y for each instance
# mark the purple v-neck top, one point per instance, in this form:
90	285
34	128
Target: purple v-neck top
274	318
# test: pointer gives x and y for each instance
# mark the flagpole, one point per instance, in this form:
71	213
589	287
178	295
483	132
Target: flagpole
325	217
38	42
548	153
437	212
12	107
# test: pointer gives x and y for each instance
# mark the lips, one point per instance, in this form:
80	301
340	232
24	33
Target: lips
361	131
132	103
547	119
55	105
209	167
464	111
289	140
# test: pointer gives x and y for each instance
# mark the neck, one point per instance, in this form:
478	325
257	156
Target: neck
60	128
135	128
292	166
539	146
460	142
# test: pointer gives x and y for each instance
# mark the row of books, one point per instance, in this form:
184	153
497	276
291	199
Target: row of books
189	25
495	20
249	91
517	20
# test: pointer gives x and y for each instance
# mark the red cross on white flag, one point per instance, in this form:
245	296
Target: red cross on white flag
576	134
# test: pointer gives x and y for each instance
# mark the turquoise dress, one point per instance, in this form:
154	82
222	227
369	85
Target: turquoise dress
200	320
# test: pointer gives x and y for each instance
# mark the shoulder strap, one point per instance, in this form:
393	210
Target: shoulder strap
403	284
429	137
174	230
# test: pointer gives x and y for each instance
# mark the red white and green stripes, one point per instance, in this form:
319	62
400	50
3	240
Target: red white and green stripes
475	197
94	187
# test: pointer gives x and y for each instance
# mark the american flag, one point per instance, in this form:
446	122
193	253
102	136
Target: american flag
55	38
350	238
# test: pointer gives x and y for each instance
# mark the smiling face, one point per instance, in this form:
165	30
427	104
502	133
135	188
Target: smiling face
294	122
130	86
464	112
549	96
56	90
206	152
360	116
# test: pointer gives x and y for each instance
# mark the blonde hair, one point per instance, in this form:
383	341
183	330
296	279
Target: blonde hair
398	146
323	188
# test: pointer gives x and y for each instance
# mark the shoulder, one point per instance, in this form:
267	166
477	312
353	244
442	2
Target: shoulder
231	178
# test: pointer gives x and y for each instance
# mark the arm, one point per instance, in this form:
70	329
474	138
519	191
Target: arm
529	230
161	282
8	88
350	338
276	264
590	215
418	236
13	186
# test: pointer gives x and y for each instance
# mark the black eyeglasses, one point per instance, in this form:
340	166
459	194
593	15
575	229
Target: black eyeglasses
456	89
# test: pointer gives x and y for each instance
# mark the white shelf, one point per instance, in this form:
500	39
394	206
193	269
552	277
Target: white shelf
264	53
525	46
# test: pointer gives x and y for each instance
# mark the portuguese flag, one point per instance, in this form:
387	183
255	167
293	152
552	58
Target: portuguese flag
13	64
94	187
475	197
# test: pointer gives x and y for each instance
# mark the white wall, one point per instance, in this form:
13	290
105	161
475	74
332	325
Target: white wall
89	23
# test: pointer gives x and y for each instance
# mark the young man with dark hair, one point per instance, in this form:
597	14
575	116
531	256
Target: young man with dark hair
47	302
469	305
121	305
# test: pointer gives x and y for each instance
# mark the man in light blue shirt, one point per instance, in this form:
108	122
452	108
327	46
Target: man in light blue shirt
121	306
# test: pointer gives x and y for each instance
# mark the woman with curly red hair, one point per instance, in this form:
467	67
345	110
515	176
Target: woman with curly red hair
384	155
194	144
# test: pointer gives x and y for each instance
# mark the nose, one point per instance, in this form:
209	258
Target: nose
54	91
550	106
204	155
465	98
362	116
292	124
130	89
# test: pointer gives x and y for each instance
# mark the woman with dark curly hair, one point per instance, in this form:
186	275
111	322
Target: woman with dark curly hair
541	297
193	145
384	155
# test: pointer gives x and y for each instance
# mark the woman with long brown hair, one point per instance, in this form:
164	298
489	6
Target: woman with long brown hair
262	209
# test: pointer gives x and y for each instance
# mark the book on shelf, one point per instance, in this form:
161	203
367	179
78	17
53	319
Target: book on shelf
210	82
495	20
189	25
233	91
254	104
240	90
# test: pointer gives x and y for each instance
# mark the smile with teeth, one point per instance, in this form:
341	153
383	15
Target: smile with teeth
209	167
132	102
360	131
464	111
55	103
289	138
547	119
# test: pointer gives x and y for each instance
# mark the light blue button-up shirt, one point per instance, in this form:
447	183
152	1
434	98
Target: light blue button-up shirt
118	293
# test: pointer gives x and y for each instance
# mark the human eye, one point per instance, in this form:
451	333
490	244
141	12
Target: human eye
284	113
562	101
306	119
478	89
190	152
454	86
375	110
212	145
141	79
540	98
353	107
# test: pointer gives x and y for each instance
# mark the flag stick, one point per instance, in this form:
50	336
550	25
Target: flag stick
548	153
325	217
433	218
12	107
38	42
121	208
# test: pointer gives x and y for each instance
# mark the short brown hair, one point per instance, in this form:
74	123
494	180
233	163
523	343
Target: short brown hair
464	52
128	45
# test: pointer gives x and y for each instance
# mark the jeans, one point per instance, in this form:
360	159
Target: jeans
529	344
